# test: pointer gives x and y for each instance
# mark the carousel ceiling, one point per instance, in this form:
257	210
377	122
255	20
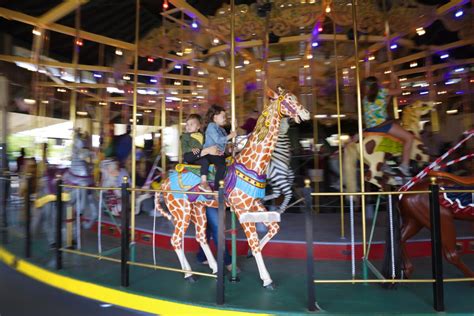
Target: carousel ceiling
192	39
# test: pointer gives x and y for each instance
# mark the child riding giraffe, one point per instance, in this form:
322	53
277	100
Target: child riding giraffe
244	186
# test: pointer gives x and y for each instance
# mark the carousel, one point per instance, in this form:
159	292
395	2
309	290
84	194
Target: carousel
227	157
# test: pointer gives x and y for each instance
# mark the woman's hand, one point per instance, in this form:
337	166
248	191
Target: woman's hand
213	150
195	151
231	135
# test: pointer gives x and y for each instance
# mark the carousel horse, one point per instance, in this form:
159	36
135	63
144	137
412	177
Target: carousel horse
379	147
112	176
415	213
245	182
79	173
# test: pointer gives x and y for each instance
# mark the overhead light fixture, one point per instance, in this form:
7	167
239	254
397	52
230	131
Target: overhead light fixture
314	44
215	40
328	9
387	72
246	62
153	80
118	52
126	77
444	56
200	73
320	116
414	64
371	57
150	59
36	32
420	31
82	113
309	56
393	46
459	13
194	25
452	111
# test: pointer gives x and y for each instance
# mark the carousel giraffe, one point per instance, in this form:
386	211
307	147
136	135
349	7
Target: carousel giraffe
244	186
378	147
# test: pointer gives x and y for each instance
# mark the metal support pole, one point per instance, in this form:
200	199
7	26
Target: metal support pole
220	295
28	217
59	220
361	136
125	234
436	256
309	247
134	116
234	277
4	185
338	109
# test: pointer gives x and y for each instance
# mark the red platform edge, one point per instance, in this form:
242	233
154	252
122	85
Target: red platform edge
293	249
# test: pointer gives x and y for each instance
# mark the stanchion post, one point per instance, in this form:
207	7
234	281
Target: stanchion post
59	221
3	204
28	216
309	246
220	296
125	234
436	256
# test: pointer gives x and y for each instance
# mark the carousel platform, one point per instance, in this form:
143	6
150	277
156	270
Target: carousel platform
289	243
164	292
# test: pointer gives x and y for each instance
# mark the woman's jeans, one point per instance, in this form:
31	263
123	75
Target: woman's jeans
211	232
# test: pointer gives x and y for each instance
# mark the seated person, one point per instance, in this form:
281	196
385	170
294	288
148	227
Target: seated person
377	119
193	153
216	135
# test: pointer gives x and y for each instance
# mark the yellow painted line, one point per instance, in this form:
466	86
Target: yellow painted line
109	295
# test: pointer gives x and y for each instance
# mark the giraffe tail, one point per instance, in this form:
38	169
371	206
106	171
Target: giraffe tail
350	158
160	206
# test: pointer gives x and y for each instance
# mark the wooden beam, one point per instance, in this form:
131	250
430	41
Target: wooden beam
190	11
57	64
83	85
27	19
431	50
60	11
374	48
436	67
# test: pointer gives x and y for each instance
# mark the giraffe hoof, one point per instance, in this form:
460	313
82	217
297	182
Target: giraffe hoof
269	287
191	279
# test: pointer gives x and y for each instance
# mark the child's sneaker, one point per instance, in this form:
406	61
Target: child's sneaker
204	187
404	170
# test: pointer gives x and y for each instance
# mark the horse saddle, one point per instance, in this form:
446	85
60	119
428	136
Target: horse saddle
388	144
461	203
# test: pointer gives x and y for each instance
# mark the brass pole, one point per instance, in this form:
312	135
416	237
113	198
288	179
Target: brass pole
359	117
180	113
232	107
432	95
313	100
394	78
75	60
134	118
338	108
265	60
162	134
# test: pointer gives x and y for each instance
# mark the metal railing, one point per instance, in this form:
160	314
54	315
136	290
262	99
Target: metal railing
436	247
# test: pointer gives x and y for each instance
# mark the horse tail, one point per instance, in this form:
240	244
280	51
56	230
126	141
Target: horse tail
160	204
350	158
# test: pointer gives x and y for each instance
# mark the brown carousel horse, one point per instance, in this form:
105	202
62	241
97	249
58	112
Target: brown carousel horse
415	212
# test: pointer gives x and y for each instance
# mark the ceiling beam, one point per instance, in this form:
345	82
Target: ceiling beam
430	51
27	19
435	67
376	47
58	64
60	11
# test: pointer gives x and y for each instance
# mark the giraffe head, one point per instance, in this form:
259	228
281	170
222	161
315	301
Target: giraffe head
288	105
